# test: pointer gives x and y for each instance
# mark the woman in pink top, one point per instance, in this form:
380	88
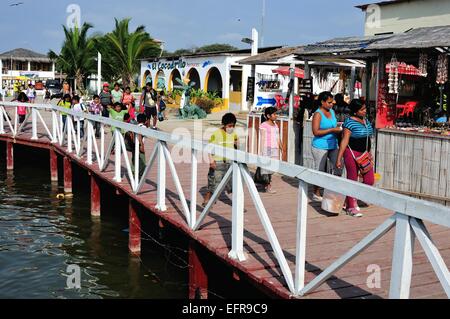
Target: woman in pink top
22	110
270	143
127	97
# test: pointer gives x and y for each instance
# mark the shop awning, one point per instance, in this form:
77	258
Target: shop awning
285	70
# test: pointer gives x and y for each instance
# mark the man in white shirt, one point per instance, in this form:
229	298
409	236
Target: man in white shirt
78	107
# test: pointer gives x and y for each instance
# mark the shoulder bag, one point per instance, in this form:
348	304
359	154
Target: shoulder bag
365	160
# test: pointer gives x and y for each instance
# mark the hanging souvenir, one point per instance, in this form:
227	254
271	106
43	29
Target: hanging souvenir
442	69
423	64
393	76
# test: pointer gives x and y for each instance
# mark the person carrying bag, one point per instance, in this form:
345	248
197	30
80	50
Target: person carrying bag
355	149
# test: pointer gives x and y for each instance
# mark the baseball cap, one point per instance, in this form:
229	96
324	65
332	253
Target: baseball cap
105	84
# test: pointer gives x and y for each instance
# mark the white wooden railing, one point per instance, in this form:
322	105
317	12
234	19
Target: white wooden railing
407	219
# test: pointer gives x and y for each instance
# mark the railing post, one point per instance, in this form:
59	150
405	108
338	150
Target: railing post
53	166
402	259
89	143
134	239
54	127
161	191
34	124
95	196
198	278
302	214
118	164
237	226
67	175
2	121
9	156
194	174
69	125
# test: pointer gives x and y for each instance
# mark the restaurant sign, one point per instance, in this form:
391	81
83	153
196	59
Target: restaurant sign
169	65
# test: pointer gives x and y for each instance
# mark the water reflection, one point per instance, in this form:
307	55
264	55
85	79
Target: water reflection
41	235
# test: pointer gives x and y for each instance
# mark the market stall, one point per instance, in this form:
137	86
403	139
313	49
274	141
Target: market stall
407	86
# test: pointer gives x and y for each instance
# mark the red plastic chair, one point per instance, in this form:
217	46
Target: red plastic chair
280	101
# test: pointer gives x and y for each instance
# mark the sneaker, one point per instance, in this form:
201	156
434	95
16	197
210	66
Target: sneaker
269	190
353	212
317	198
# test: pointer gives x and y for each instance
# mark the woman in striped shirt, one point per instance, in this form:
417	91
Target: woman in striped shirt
356	140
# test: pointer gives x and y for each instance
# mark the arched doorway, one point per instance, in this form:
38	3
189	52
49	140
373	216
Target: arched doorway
213	82
172	79
147	78
194	77
160	81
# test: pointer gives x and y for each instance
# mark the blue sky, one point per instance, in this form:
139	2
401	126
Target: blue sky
37	24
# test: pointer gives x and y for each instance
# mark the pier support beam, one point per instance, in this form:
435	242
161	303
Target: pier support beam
67	175
198	279
134	240
53	166
9	156
95	197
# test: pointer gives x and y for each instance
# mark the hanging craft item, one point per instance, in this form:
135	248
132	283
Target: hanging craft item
393	76
423	64
442	69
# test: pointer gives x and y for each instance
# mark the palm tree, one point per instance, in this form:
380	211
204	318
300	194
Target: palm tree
77	56
122	50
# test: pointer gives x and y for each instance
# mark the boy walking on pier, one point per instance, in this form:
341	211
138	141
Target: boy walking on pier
219	165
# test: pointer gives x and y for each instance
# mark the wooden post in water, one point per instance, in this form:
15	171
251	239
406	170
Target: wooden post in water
134	239
67	175
95	197
53	166
198	279
9	156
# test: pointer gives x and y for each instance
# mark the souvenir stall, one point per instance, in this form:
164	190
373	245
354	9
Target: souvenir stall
273	90
413	137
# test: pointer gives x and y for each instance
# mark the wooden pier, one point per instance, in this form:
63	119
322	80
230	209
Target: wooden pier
328	237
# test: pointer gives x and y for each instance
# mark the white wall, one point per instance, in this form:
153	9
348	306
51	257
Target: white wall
202	65
403	16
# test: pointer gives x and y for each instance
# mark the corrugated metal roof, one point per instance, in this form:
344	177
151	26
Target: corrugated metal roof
419	38
24	55
271	56
341	45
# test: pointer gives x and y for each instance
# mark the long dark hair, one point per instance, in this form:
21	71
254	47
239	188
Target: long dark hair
324	96
22	97
268	112
355	106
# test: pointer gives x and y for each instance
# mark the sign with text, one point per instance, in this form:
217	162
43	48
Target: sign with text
305	86
251	88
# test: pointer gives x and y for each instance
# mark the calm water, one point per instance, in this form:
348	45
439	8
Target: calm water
41	235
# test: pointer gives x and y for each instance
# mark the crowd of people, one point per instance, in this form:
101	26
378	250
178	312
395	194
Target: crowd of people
347	145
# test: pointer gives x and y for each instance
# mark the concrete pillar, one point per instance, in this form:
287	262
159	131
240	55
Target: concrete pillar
67	175
134	239
95	197
9	156
198	279
53	166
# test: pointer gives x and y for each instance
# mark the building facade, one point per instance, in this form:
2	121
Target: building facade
398	16
211	72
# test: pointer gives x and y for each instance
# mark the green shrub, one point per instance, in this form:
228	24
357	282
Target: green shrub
205	104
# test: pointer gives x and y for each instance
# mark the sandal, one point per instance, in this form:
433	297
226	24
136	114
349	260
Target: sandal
353	212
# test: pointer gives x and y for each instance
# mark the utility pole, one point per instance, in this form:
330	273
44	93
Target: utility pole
99	73
262	21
